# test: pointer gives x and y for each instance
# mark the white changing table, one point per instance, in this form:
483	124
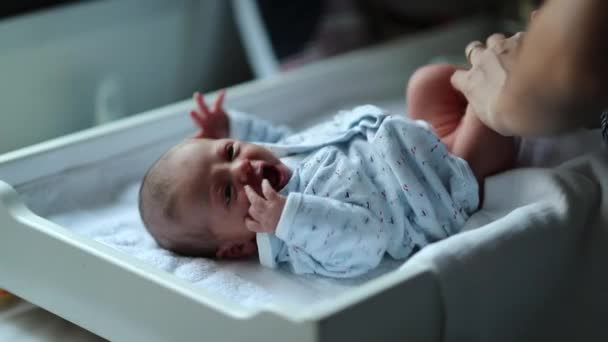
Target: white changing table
25	322
68	288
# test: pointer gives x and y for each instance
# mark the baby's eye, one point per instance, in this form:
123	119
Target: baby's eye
227	194
230	151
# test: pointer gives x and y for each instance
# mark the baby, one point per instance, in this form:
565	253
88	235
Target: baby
334	199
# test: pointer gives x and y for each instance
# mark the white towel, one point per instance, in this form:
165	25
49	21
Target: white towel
246	282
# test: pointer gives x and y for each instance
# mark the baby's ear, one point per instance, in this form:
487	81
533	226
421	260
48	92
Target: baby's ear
236	250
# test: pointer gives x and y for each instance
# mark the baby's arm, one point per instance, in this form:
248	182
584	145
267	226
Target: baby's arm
216	123
324	235
248	128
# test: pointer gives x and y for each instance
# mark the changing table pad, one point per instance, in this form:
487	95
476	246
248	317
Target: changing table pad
117	224
536	257
245	282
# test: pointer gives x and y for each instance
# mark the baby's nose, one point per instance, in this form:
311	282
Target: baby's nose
242	171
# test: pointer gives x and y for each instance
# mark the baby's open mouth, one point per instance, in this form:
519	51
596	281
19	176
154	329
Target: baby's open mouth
274	176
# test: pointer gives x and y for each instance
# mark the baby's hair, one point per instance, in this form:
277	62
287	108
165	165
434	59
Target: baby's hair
157	209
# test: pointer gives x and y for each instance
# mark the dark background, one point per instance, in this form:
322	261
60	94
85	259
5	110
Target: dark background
17	7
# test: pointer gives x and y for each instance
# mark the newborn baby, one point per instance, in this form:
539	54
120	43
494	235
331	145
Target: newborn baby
332	200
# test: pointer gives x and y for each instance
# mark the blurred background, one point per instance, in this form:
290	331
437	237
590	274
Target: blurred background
66	65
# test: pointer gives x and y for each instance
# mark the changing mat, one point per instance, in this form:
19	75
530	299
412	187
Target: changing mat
116	223
113	219
246	282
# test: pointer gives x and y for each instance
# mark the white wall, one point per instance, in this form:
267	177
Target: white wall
66	69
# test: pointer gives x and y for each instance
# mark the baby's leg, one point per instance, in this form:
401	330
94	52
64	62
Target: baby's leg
432	98
486	151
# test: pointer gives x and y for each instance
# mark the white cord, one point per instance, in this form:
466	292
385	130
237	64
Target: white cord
255	38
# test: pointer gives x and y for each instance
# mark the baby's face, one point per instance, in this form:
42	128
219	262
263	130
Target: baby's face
210	176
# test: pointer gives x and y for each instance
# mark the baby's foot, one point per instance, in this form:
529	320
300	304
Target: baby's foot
432	98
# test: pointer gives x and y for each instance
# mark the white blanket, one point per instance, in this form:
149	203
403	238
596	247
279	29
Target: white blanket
537	267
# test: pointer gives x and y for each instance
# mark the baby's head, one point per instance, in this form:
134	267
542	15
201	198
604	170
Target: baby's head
193	202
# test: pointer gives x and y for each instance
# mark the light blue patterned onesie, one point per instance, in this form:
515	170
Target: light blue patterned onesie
364	185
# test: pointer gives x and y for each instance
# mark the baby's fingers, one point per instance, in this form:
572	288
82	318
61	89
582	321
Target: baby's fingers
219	101
253	225
200	103
258	204
253	197
199	119
268	191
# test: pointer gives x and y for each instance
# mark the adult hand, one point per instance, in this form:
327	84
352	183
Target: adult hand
483	83
212	123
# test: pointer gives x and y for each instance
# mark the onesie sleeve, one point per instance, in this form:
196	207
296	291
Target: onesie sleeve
245	127
330	237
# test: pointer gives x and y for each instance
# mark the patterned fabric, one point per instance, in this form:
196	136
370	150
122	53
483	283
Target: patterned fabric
247	128
370	184
352	197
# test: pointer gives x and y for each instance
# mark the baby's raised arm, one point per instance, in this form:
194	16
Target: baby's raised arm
217	123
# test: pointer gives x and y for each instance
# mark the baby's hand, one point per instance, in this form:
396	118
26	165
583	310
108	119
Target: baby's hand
264	212
212	124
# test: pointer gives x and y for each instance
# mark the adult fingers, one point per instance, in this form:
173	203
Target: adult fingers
517	37
510	49
473	51
219	101
495	40
460	81
534	15
200	103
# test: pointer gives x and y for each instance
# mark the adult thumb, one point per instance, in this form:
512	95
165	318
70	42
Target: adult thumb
459	81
